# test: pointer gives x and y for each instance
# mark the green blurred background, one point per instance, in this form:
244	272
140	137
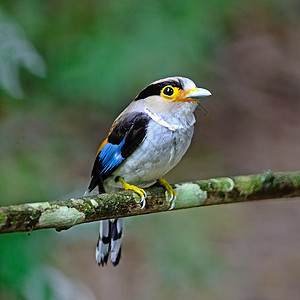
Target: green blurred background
67	68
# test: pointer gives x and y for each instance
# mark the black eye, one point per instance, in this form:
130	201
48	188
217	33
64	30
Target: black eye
168	91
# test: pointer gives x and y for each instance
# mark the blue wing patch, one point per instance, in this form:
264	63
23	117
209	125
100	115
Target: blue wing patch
126	134
110	156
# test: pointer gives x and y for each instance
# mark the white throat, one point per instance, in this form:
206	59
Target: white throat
158	119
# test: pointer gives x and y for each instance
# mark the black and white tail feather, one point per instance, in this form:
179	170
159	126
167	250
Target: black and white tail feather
109	241
126	134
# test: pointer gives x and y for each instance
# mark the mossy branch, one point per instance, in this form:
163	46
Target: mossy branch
63	214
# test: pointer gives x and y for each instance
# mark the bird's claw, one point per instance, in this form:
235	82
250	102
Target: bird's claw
139	191
143	200
172	200
170	191
142	194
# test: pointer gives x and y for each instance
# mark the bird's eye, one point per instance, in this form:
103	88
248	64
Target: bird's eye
168	91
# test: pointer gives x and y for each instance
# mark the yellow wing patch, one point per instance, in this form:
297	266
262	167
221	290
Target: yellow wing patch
102	145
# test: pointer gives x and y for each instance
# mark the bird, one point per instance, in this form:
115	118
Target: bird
145	142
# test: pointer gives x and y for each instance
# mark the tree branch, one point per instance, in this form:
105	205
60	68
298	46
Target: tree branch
63	214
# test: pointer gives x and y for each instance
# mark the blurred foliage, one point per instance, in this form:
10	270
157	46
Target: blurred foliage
16	51
19	256
98	55
98	52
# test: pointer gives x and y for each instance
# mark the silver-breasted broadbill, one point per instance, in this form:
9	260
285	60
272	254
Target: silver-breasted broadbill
145	142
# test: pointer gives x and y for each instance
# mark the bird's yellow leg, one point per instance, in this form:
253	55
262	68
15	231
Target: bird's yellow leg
134	188
170	191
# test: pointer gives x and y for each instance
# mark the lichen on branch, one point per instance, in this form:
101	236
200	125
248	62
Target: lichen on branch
63	214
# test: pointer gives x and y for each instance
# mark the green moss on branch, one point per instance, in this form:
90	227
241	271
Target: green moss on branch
65	214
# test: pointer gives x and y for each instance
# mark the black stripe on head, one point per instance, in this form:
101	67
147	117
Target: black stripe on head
155	88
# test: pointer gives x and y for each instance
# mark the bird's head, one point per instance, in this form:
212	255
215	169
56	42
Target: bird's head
172	92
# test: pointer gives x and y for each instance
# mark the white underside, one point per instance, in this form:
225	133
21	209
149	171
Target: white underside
162	149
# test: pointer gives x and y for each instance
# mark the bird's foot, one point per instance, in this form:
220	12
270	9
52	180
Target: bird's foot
136	189
170	191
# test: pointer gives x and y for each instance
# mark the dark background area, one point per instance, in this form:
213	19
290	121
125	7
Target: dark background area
68	68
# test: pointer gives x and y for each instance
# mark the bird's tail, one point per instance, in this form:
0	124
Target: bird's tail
109	241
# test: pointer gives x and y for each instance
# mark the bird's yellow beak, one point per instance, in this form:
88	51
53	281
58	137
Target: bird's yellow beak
195	94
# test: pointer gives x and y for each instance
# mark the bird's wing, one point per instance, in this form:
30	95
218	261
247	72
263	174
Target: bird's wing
126	134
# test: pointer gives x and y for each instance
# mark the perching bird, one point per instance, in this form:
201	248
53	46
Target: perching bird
145	142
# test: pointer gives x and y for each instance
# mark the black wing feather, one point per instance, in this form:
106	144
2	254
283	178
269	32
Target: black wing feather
129	129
